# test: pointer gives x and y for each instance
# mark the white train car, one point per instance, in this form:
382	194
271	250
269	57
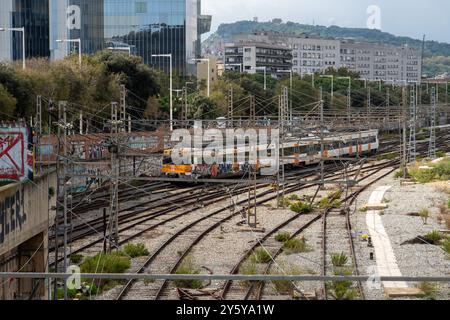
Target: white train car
295	152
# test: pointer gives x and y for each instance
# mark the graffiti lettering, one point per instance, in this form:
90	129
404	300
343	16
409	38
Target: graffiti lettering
12	215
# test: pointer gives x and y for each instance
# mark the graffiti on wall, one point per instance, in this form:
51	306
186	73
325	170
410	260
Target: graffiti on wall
16	158
12	214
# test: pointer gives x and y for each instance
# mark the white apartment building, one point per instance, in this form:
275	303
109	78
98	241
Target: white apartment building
312	55
375	61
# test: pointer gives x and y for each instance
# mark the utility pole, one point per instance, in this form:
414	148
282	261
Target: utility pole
231	106
349	106
432	148
252	219
123	108
184	110
403	144
61	205
38	131
81	122
252	110
388	105
113	234
322	146
369	107
412	126
283	126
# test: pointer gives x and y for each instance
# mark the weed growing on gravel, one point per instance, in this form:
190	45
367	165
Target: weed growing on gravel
424	215
339	259
114	262
188	267
283	236
295	245
446	246
248	268
135	250
285	286
301	207
429	290
342	290
434	237
261	256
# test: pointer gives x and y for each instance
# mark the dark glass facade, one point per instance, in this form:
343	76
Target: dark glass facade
34	16
145	27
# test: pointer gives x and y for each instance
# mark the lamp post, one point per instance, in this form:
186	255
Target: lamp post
209	72
265	75
76	41
169	56
23	42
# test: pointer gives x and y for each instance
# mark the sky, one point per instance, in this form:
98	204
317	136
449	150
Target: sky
412	18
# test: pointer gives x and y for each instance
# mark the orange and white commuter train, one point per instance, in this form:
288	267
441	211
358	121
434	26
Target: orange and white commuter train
296	152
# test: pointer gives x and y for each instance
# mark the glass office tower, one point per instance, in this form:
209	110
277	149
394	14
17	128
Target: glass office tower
34	16
144	27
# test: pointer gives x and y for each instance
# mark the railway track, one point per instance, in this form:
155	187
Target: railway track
135	212
219	217
164	216
256	290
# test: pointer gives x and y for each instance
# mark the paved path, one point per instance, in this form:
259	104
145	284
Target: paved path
385	257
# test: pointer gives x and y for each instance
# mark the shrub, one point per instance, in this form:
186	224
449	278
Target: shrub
285	286
284	202
339	259
283	236
336	204
188	267
442	169
71	293
114	262
429	290
424	214
343	290
446	246
448	203
324	203
261	255
301	207
294	197
135	250
422	176
76	258
248	268
335	194
296	246
441	154
434	237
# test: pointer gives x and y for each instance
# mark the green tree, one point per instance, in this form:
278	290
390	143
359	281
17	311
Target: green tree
7	104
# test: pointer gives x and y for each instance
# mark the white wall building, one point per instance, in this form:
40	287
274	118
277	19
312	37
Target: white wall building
375	61
314	54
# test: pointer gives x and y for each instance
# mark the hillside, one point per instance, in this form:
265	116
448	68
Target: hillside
432	48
